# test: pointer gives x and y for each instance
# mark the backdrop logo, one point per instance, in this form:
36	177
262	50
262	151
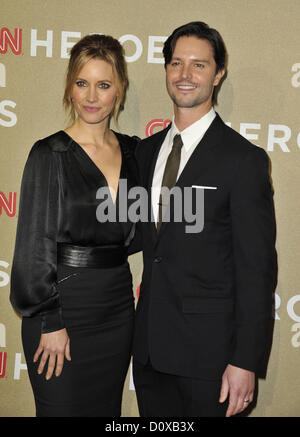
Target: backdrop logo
67	41
279	136
156	123
2	335
2	76
10	119
292	312
9	205
7	39
4	277
133	51
3	355
296	77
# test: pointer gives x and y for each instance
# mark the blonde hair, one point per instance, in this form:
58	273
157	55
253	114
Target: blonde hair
102	47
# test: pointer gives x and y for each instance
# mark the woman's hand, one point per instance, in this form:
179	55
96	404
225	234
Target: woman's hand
55	346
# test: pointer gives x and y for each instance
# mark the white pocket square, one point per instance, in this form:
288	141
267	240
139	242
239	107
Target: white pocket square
204	187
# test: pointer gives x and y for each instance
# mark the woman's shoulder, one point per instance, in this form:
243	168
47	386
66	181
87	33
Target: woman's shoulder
42	154
128	142
57	142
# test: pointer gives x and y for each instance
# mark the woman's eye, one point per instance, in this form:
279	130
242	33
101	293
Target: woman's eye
80	83
104	85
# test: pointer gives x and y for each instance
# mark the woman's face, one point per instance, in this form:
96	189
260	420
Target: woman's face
94	92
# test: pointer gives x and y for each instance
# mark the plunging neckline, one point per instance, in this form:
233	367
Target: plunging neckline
98	170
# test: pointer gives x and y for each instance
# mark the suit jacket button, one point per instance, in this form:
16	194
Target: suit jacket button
158	259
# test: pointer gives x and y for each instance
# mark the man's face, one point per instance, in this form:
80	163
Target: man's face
191	75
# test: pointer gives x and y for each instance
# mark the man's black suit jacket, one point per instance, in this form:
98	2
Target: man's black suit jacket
206	298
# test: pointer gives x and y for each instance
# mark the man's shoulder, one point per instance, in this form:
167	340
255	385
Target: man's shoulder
236	144
148	144
154	138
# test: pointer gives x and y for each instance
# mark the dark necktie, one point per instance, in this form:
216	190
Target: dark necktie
170	176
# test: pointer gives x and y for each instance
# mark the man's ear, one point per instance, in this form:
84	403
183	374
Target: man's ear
219	76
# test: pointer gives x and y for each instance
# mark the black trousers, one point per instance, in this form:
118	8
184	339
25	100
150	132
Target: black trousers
164	395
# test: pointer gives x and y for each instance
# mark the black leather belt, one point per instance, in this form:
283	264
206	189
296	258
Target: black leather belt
100	257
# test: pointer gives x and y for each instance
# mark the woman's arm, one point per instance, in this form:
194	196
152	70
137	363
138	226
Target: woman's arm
34	271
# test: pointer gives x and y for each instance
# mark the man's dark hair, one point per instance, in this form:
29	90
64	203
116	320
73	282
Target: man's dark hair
202	31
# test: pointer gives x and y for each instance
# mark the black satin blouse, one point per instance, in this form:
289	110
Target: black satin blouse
58	205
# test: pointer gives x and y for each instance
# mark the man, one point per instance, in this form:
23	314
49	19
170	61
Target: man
204	314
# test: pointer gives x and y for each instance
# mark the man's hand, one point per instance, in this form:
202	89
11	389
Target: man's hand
56	347
239	385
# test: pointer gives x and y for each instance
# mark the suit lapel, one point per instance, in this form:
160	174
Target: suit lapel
199	159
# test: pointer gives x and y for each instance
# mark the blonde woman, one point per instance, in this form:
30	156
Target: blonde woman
71	281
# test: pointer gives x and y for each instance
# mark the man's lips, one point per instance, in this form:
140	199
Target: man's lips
185	86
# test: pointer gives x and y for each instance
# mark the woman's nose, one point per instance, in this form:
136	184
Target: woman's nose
91	95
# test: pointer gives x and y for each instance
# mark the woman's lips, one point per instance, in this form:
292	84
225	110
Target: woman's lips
91	108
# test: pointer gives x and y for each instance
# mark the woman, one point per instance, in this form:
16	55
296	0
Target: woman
70	277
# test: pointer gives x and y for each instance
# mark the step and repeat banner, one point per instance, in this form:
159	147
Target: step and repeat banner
259	98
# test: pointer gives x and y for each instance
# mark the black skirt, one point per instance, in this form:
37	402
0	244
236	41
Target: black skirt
98	310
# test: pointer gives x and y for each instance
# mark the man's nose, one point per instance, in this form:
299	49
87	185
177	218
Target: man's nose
186	71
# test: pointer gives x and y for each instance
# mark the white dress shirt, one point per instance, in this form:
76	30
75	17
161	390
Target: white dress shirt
191	136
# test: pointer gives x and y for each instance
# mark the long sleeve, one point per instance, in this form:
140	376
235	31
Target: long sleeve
34	269
136	244
254	229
